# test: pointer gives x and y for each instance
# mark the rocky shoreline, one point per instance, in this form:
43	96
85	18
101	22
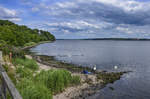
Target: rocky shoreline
91	84
102	78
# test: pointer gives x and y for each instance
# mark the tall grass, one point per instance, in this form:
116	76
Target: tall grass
75	80
30	44
32	90
27	63
24	72
44	84
16	52
55	80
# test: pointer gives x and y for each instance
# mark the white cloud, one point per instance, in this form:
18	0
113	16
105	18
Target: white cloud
128	5
66	4
143	30
79	24
15	19
104	17
124	30
8	14
35	9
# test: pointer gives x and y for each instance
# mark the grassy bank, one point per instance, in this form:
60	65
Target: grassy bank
38	85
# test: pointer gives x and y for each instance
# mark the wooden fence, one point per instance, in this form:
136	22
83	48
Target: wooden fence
6	85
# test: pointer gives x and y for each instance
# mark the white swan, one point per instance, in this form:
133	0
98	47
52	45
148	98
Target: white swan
94	68
115	67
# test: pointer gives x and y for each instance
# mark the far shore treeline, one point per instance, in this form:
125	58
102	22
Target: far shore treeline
19	35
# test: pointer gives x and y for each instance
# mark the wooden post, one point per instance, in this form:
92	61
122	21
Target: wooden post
7	84
4	89
10	56
1	58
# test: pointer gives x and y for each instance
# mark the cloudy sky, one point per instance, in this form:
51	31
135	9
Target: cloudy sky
81	18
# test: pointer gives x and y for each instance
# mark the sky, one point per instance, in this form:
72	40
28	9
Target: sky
76	19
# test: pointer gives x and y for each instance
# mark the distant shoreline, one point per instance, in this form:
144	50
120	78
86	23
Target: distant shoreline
124	39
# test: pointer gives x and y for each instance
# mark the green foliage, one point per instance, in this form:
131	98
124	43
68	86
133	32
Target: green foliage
16	35
32	90
56	80
30	44
24	72
16	52
2	44
27	63
5	22
46	35
109	77
41	85
75	80
44	83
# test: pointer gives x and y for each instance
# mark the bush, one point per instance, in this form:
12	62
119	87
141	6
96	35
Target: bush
109	77
55	80
24	72
27	63
32	90
75	80
29	44
2	44
16	52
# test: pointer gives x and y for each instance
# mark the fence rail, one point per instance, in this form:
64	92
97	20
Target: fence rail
6	84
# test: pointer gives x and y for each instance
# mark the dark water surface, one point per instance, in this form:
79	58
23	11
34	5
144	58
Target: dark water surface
105	54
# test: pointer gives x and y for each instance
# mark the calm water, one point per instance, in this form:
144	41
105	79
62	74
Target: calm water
127	55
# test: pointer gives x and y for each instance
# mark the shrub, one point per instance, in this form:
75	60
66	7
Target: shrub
2	44
109	77
29	44
55	80
27	63
24	72
16	52
75	80
32	90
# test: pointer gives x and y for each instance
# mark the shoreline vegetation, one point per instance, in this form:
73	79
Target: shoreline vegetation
28	46
43	77
90	84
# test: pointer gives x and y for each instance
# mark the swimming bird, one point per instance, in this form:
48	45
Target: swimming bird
94	68
115	67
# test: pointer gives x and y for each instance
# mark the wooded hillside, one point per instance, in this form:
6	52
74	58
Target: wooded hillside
18	35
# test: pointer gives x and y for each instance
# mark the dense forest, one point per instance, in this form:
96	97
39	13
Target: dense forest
19	35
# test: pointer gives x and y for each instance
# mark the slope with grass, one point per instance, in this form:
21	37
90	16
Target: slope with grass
39	85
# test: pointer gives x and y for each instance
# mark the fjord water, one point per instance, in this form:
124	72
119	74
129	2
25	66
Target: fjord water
105	54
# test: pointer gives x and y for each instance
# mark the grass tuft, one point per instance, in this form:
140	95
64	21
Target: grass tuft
27	63
57	80
31	90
